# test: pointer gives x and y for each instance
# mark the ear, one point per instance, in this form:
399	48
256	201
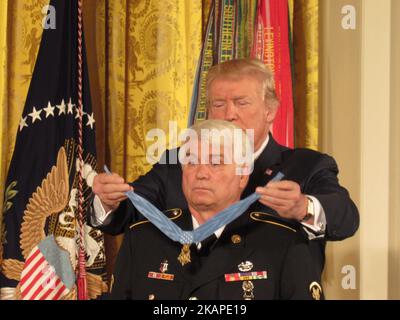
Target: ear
270	113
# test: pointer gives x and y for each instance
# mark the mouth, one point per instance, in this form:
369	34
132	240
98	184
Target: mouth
201	189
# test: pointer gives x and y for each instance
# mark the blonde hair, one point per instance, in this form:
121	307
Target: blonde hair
235	69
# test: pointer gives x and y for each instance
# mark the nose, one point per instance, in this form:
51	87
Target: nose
230	112
202	172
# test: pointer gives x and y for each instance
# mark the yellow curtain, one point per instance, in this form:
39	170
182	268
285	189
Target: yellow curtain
153	48
306	48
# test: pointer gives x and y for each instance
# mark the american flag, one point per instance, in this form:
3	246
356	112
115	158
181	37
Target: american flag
47	273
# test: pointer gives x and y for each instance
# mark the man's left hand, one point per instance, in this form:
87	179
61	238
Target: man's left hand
285	198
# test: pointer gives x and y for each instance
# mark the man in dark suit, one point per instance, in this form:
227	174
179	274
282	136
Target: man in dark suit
256	256
243	92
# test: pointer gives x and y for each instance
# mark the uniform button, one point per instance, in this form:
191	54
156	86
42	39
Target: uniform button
152	296
193	298
236	239
175	212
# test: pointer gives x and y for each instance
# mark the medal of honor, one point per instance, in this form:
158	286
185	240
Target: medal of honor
184	256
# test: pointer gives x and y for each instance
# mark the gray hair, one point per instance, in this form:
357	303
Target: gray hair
227	134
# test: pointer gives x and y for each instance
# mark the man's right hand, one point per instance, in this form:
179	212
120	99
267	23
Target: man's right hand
110	189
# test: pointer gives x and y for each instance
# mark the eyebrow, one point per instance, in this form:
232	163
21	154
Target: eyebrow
234	98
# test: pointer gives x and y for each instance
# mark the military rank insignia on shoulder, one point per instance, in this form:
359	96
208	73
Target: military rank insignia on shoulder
171	214
272	220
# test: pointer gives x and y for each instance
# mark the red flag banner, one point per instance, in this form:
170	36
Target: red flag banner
271	45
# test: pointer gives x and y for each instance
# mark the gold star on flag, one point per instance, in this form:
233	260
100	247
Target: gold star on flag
61	107
35	114
49	110
70	107
90	120
22	123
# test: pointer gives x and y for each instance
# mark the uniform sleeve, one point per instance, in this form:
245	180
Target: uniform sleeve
342	217
121	286
299	278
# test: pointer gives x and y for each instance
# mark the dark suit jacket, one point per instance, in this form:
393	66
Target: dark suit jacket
315	172
269	244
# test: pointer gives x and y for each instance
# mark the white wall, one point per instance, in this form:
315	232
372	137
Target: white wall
360	95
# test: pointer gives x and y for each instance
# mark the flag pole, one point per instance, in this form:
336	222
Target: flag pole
82	285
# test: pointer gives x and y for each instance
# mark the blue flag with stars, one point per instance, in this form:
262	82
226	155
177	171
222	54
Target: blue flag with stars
40	235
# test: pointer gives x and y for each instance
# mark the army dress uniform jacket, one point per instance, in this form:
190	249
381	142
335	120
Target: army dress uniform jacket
271	254
315	172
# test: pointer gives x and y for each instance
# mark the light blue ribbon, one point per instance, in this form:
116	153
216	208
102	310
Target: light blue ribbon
175	233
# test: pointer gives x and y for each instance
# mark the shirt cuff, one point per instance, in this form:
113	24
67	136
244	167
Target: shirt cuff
100	215
316	230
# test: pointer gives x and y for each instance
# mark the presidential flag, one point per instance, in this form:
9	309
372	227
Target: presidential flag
45	194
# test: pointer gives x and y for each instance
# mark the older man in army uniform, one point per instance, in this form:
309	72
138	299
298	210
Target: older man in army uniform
256	256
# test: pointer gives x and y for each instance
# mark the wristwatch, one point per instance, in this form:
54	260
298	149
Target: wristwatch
310	210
